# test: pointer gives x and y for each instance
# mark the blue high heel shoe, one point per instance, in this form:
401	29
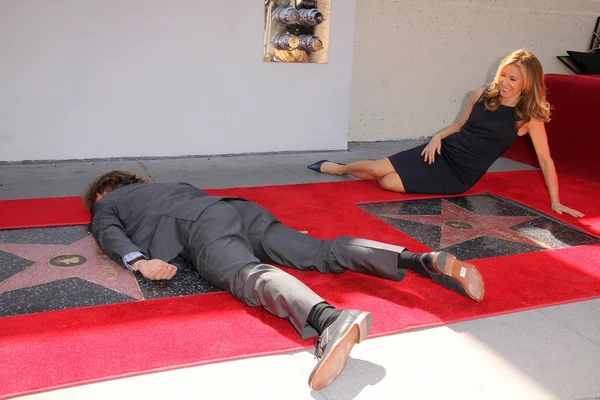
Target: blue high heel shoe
317	166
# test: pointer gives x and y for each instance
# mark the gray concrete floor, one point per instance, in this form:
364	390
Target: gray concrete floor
547	353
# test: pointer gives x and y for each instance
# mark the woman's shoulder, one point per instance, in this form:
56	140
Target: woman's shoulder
477	94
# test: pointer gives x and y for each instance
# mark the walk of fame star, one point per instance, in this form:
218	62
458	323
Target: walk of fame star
82	259
459	225
477	226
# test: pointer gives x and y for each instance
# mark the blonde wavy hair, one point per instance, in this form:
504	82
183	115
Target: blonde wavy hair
533	104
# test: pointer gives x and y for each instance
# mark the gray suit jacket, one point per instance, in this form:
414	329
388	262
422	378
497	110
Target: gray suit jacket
147	217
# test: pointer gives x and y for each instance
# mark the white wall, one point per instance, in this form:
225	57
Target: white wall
111	78
416	60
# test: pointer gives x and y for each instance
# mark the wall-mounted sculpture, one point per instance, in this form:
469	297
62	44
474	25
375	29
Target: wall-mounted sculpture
296	31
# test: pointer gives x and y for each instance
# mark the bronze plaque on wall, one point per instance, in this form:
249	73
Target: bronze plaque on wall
297	31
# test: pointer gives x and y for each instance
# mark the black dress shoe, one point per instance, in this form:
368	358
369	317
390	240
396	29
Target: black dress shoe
448	271
317	166
335	343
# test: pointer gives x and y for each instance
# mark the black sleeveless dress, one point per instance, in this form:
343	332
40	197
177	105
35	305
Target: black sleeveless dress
465	157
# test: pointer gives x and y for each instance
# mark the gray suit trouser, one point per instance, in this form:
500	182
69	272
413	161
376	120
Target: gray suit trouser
233	243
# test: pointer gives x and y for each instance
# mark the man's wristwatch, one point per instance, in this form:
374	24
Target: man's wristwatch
129	264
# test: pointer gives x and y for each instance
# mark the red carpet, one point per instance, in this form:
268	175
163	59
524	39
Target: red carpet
64	348
42	212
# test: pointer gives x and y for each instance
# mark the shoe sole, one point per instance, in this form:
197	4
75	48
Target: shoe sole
333	363
466	274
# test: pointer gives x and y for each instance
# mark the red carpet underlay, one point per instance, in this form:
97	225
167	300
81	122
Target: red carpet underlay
69	347
574	101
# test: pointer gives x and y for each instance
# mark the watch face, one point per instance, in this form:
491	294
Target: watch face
310	43
294	41
311	16
317	45
286	41
286	15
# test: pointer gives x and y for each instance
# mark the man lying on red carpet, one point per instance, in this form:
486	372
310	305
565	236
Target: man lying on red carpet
232	243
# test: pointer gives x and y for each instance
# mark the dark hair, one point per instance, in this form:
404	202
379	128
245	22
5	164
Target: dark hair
107	183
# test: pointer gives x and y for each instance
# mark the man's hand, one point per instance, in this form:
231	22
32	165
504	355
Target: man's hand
155	269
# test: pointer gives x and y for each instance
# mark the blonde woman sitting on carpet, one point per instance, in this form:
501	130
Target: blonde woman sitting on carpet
456	158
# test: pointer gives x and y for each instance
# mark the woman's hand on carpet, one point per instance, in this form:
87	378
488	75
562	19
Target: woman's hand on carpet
434	146
156	269
560	209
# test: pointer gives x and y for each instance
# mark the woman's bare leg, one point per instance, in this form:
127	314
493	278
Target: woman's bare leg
364	169
392	182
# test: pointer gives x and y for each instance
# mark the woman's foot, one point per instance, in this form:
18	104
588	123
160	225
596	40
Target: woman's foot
327	167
